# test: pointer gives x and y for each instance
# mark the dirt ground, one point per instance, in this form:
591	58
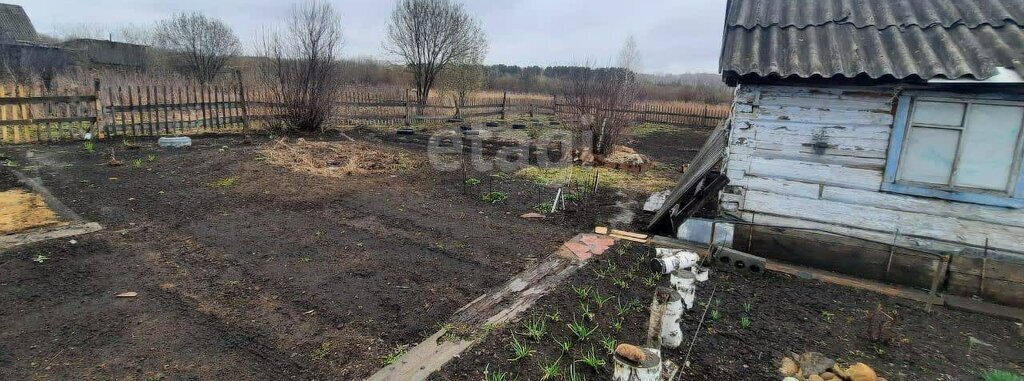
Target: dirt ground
786	314
245	270
248	271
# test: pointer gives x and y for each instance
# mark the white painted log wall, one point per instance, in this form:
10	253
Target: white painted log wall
777	178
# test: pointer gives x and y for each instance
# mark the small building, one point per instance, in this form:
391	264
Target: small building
22	52
887	121
15	26
107	54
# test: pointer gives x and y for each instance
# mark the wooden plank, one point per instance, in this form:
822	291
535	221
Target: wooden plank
837	253
629	234
848	281
778	186
884	220
148	110
131	111
45	121
5	135
754	149
203	105
45	99
826	174
997	291
8	242
993	268
929	206
977	306
495	308
859	143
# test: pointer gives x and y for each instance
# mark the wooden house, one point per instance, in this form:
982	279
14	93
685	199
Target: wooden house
867	136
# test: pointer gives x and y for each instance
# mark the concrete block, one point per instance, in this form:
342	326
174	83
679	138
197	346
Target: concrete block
178	141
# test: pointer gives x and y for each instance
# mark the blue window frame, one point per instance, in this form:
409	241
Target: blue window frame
957	147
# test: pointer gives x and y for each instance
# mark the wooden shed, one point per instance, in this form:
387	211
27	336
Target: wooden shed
868	135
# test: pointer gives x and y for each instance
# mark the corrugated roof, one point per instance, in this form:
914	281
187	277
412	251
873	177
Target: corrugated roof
901	39
15	24
880	14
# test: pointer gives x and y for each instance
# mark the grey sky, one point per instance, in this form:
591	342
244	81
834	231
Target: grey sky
675	36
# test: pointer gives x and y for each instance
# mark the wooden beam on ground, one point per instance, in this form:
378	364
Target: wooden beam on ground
672	243
493	309
628	238
984	308
11	241
849	281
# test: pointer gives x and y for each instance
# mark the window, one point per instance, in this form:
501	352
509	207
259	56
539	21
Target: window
963	149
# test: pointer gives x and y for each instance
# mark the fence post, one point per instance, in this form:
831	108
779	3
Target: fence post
504	103
245	105
98	126
705	118
408	109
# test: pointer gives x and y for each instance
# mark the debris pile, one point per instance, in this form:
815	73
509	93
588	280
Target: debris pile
626	159
814	366
333	159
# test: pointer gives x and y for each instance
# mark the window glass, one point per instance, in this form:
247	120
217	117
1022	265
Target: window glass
989	147
939	113
929	155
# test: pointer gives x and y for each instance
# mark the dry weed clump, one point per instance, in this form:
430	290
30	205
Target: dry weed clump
333	159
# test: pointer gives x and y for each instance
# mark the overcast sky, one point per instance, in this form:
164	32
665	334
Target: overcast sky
675	36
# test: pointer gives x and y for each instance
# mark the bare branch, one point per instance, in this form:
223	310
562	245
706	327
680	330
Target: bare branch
301	65
430	35
206	45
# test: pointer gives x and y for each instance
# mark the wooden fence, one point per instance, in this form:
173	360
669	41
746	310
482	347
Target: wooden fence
40	115
362	107
30	114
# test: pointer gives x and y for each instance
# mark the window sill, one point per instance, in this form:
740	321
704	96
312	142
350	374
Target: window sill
973	198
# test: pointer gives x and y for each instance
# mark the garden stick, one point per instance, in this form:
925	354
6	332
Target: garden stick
686	360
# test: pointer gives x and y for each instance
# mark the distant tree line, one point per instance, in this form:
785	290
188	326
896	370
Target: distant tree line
433	47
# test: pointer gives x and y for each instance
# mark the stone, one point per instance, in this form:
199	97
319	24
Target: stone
130	294
631	353
789	367
828	376
656	200
532	216
814	363
861	372
840	372
815	377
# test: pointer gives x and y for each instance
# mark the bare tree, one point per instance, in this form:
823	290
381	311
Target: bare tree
205	44
599	100
301	65
462	78
430	35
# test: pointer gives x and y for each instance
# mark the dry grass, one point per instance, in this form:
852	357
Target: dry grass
24	211
334	159
650	181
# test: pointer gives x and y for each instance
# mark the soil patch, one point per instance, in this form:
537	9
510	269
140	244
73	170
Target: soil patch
23	210
334	159
753	322
673	146
269	276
